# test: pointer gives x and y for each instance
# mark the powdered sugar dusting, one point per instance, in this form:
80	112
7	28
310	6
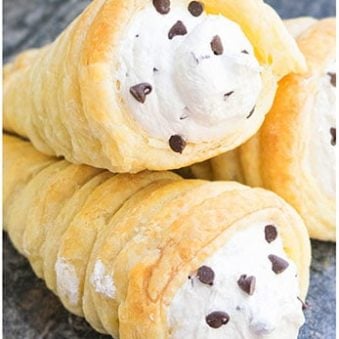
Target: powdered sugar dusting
67	281
102	282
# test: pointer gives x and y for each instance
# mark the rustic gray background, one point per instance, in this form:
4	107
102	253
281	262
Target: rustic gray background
33	312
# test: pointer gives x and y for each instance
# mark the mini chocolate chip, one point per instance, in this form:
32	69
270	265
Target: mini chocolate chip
195	58
251	113
247	284
155	69
206	275
202	57
279	265
333	132
217	319
137	35
244	51
304	305
177	143
216	45
140	91
228	94
186	113
195	8
333	77
177	29
162	6
271	233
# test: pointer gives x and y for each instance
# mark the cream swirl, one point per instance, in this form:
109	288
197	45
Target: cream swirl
271	311
181	74
322	144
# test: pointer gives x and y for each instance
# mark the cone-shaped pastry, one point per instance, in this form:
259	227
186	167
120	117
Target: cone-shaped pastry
133	85
293	154
154	256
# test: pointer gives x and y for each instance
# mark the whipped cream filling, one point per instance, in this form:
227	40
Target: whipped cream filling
195	76
266	308
323	137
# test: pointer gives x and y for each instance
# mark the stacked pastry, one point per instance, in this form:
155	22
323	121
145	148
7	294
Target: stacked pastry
152	255
293	154
157	85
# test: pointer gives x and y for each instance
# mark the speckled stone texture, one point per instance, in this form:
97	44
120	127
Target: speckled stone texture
33	312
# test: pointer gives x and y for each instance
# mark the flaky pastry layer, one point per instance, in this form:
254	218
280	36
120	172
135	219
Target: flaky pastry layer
81	227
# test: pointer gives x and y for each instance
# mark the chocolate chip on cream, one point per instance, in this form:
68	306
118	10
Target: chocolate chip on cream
244	51
162	6
177	29
247	284
177	143
206	275
140	91
195	8
271	233
333	77
304	305
333	132
208	77
217	46
217	319
322	137
183	117
279	265
251	113
228	94
252	316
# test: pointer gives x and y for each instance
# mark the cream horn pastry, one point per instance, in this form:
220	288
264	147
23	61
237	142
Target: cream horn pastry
293	154
154	256
134	85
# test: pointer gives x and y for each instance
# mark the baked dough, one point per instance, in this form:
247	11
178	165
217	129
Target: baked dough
297	26
118	249
102	94
293	154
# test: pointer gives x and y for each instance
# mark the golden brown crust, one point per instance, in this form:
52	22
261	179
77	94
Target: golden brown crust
228	165
143	233
282	168
55	233
200	170
33	162
68	104
318	45
274	157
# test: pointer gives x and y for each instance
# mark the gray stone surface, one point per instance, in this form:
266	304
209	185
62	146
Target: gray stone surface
30	310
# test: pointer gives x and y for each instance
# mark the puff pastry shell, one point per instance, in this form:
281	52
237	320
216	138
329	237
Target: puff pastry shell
146	231
63	98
